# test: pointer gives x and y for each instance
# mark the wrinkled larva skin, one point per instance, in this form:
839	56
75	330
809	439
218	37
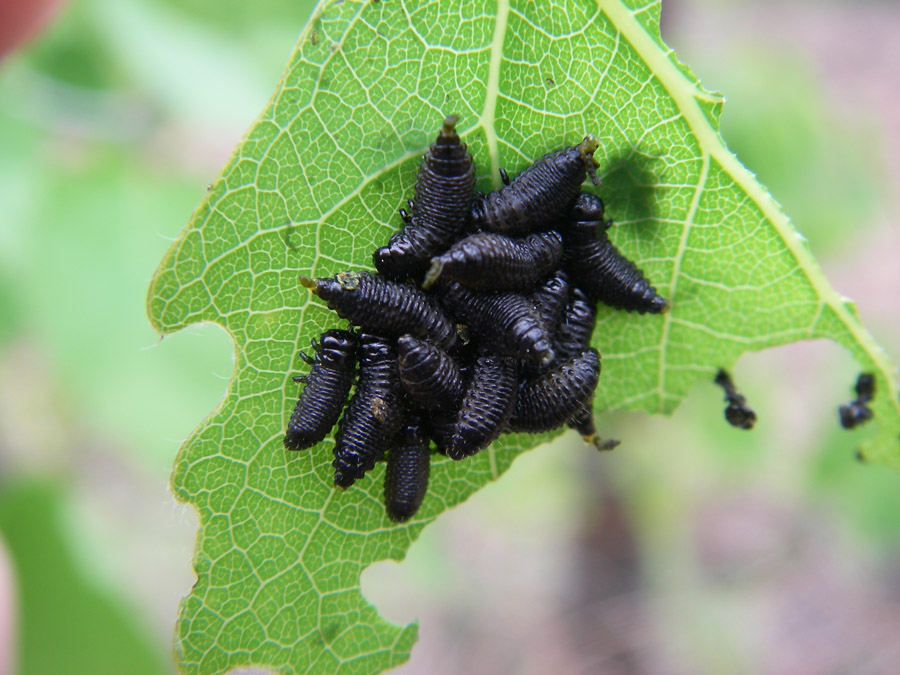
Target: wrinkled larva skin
494	262
406	475
374	415
557	396
507	322
325	394
445	189
486	406
430	376
539	195
573	333
385	307
596	266
550	299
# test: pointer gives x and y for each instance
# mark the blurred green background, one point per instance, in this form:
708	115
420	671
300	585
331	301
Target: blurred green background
694	548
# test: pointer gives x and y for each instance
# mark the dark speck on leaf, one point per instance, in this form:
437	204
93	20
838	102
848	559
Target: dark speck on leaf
329	631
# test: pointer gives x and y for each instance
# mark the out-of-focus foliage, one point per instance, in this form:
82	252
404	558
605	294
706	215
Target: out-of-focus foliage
70	626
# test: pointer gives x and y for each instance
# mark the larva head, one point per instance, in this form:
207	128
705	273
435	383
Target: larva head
390	259
411	348
374	348
588	209
337	348
416	359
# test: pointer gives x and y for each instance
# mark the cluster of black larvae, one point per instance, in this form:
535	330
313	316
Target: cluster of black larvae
477	323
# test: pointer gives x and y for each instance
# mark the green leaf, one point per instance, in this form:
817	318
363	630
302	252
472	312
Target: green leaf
314	188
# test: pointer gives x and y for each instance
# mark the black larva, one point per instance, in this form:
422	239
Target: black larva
538	196
737	413
596	266
325	394
857	411
406	475
374	415
384	307
493	262
429	375
486	406
557	396
508	322
444	191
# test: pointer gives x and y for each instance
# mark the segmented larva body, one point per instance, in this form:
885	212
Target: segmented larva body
537	197
557	396
374	415
596	266
325	394
385	307
550	299
406	474
444	192
494	262
429	375
508	322
486	406
573	333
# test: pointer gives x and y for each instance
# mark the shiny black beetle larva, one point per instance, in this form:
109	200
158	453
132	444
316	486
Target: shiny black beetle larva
857	412
508	322
374	415
385	307
444	192
406	474
557	396
596	266
485	408
325	394
494	262
737	413
430	376
538	196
